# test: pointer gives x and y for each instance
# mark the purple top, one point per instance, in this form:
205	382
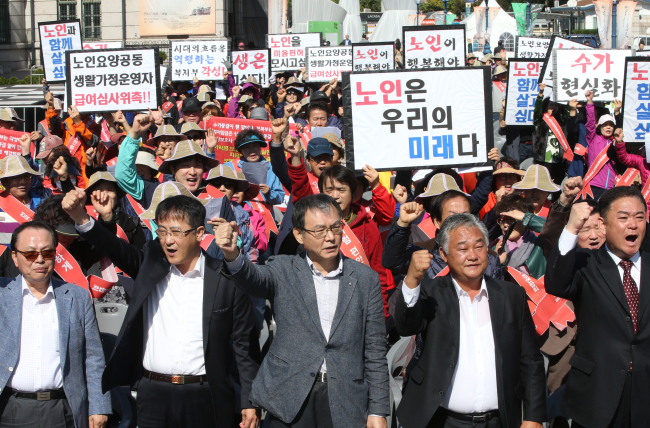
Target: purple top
606	178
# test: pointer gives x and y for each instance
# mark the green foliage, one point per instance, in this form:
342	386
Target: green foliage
594	32
162	55
13	81
373	5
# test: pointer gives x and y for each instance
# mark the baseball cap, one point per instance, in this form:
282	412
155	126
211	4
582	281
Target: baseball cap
606	118
319	96
259	113
318	146
251	139
191	104
48	143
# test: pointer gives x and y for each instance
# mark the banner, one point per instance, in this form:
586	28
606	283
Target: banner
226	130
247	63
10	142
531	47
636	99
603	10
642	53
479	14
288	50
102	45
404	119
519	11
492	14
198	58
578	71
173	17
113	79
522	90
624	20
373	56
547	70
326	63
57	37
434	47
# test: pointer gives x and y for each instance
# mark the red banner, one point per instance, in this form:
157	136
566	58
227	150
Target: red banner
139	209
595	168
500	86
226	129
627	178
10	142
428	227
557	131
74	143
351	247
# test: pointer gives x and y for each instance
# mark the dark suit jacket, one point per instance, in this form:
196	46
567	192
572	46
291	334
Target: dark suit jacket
605	343
520	366
227	316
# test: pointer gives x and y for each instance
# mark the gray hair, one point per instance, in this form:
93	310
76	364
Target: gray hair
455	221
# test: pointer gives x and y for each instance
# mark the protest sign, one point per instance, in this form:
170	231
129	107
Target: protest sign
405	119
198	58
577	71
373	56
288	51
57	37
327	62
548	67
10	142
436	46
226	130
102	45
636	99
642	53
522	90
247	63
531	47
113	79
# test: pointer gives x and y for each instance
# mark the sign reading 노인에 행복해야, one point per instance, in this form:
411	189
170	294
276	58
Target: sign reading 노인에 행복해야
434	46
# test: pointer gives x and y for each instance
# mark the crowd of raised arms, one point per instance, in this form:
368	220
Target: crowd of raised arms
269	289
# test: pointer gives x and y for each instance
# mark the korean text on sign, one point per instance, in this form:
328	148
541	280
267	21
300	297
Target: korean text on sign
256	63
532	47
434	48
636	99
202	59
578	71
288	50
325	63
226	130
424	119
371	56
56	39
549	65
522	90
113	79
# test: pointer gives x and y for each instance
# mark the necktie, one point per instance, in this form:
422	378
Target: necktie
631	291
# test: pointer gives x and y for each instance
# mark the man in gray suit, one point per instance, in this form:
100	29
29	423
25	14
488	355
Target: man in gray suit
327	364
51	357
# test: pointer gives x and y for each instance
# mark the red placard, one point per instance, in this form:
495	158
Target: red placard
226	129
10	142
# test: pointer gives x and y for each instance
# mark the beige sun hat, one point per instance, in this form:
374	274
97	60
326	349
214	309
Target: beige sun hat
224	171
439	184
9	115
164	191
97	177
537	177
146	159
205	89
186	149
15	165
203	97
499	69
165	130
191	126
244	98
509	170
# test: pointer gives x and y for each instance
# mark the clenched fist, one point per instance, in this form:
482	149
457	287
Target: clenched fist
580	213
420	263
225	236
74	203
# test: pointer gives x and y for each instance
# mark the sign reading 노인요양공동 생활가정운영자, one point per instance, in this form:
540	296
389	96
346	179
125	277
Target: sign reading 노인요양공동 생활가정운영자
325	63
532	47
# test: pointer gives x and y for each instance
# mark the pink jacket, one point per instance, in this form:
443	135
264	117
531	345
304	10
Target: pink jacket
606	178
258	227
633	161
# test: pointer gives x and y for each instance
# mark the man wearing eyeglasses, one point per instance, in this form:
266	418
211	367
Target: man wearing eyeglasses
327	364
51	357
175	342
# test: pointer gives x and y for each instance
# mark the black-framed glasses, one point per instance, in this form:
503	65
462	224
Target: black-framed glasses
226	182
32	255
321	232
164	233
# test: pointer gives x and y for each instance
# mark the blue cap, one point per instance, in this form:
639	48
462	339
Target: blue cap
250	139
318	146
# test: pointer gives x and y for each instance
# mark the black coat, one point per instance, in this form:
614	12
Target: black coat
227	316
519	363
605	343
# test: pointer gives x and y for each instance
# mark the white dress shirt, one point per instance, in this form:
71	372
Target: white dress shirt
568	242
473	388
39	360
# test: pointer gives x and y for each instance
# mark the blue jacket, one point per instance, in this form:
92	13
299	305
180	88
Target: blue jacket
82	357
276	193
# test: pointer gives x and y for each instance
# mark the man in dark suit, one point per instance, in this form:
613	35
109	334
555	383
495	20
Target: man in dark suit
609	381
174	343
481	359
327	364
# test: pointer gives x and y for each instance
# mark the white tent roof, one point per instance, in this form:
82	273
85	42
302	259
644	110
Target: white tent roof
503	23
352	24
395	16
314	10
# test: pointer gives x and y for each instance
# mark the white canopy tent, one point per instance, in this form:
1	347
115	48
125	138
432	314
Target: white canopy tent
304	11
352	24
504	27
395	16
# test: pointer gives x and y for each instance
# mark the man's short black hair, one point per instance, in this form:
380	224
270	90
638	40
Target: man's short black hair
320	202
317	105
340	174
612	195
183	208
441	199
33	225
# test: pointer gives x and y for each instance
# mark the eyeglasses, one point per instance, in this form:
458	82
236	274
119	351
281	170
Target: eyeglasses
321	232
228	184
164	233
31	256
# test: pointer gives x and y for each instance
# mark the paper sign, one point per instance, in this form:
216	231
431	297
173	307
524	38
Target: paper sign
531	47
320	131
373	56
325	63
102	45
547	70
436	46
288	51
199	58
57	38
522	90
636	100
226	129
256	63
213	208
255	172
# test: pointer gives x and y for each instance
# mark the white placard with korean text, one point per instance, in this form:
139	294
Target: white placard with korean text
641	53
373	56
327	62
113	79
102	45
198	58
522	90
247	63
57	38
580	70
531	47
547	70
418	119
636	99
435	46
288	51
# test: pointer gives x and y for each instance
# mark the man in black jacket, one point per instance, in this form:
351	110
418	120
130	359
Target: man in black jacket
481	359
609	381
175	340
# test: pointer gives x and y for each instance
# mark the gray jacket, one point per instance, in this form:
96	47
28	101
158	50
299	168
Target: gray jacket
356	350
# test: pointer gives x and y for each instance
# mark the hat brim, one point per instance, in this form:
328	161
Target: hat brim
67	229
263	144
320	152
208	162
43	154
152	165
150	214
154	143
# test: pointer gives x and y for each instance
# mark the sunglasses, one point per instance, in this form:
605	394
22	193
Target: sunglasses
33	255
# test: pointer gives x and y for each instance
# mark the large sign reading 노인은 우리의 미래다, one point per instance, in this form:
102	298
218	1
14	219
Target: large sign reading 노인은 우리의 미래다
173	17
415	119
